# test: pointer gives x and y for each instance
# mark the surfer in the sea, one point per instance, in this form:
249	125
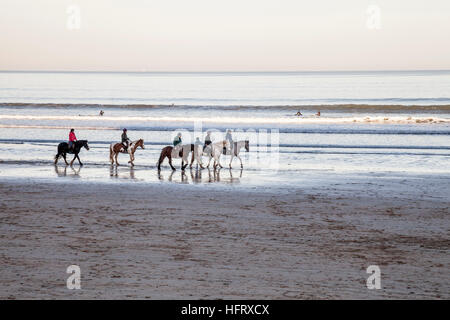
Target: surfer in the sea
298	114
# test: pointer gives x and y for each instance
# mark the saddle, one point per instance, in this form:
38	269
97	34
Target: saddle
224	151
123	149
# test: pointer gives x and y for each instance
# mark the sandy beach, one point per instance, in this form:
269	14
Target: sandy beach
174	241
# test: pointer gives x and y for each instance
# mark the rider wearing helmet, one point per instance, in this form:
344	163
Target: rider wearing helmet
177	140
208	140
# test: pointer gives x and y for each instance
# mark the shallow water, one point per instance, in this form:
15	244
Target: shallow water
345	140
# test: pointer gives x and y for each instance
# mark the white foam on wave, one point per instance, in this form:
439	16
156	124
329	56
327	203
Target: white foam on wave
241	120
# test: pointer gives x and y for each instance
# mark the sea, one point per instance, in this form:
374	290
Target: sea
360	124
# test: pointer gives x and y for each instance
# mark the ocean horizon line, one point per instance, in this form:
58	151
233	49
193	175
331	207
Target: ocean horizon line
233	71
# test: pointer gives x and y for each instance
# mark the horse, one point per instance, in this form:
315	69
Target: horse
116	148
215	150
63	149
237	148
177	152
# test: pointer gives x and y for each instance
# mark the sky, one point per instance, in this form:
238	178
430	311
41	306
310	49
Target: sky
231	35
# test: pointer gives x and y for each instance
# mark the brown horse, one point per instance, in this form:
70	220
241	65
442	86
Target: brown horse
182	153
117	148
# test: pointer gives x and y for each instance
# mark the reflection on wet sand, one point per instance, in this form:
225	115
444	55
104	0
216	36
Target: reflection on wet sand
126	173
189	176
62	172
196	176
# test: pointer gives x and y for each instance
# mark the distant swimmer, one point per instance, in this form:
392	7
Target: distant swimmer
318	113
298	114
101	112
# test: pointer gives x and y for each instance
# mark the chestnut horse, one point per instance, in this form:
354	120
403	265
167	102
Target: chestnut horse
116	148
182	153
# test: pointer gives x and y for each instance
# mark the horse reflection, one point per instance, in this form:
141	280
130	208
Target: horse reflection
197	176
63	172
217	176
114	172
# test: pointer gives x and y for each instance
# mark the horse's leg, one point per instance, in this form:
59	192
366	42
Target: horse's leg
71	162
231	160
240	161
117	161
79	160
170	162
65	159
161	159
192	158
57	157
131	160
218	161
214	164
111	154
185	159
200	162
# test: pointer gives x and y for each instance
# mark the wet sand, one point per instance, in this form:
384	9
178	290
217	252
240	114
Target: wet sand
174	241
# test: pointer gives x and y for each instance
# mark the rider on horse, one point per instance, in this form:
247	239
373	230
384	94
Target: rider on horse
208	140
177	140
229	141
72	139
125	140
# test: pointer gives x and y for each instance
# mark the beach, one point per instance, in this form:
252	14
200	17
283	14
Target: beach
319	200
170	240
220	156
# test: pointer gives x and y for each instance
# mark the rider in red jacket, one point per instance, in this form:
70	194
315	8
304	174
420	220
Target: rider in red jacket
72	138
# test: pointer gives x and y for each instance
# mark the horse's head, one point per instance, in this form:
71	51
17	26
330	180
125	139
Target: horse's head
141	143
85	144
247	145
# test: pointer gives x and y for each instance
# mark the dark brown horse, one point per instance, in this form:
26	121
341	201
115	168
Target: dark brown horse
63	149
179	152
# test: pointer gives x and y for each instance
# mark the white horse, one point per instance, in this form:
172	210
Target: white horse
215	150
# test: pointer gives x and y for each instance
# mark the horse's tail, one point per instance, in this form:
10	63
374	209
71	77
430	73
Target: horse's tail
57	154
111	151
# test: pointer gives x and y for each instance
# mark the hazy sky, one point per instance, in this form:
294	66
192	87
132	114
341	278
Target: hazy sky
231	35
